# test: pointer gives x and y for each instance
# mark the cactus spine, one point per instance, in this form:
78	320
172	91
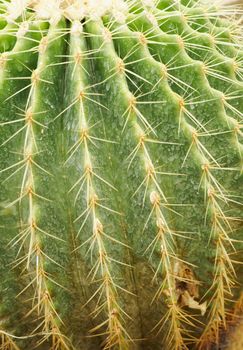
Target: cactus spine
121	174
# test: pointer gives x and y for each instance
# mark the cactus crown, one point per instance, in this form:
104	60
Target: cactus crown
121	173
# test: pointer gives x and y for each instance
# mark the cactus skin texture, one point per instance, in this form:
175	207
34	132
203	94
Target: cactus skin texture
121	174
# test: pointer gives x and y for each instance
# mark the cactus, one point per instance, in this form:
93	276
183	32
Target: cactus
121	174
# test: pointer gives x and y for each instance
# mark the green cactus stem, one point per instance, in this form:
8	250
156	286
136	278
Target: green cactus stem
121	174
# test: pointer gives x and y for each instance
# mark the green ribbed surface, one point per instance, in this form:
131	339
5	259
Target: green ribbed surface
121	180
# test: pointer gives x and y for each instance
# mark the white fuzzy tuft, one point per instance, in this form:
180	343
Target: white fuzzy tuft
72	9
78	9
15	9
50	9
